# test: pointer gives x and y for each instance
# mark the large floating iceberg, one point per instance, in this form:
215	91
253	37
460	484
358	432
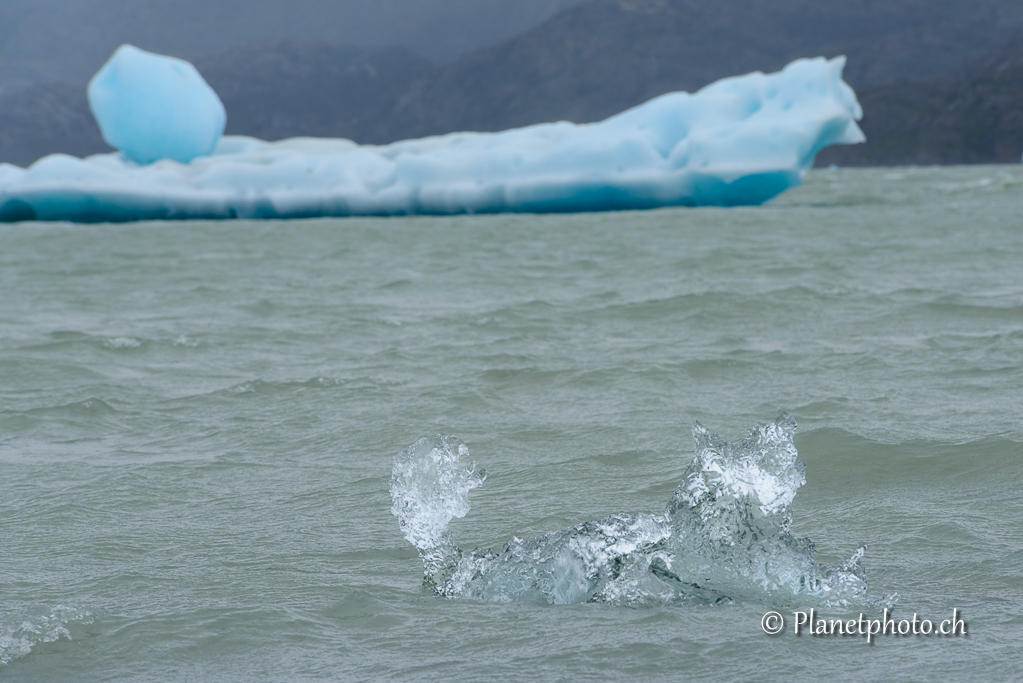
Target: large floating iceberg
724	536
741	140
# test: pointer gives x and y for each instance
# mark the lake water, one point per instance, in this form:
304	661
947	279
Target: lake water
198	420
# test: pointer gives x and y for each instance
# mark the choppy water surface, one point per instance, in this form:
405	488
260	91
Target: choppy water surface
198	421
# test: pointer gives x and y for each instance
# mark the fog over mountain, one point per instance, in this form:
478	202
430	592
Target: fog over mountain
68	40
927	73
598	58
970	115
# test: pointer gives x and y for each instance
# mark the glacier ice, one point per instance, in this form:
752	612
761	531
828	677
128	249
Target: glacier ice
154	107
724	536
739	141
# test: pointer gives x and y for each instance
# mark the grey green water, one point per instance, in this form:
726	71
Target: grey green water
198	420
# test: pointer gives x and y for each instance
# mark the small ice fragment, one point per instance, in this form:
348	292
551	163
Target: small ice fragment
430	487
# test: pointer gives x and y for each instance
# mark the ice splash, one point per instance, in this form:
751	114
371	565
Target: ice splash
430	487
725	535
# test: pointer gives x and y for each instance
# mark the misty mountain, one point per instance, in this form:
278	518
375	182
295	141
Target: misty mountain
599	58
47	118
68	40
290	88
971	115
924	102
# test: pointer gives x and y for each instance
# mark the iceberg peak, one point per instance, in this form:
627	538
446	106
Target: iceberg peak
153	107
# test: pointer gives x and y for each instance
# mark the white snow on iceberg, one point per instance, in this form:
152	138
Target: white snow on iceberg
741	140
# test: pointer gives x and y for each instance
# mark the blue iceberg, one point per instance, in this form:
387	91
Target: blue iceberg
155	107
739	141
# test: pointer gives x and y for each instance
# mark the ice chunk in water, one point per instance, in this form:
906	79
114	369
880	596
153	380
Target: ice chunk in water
724	536
430	487
154	107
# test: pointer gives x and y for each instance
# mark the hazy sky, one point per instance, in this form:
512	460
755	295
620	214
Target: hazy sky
67	40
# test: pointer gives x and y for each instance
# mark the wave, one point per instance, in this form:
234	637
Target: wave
846	456
724	536
259	386
63	340
21	635
90	407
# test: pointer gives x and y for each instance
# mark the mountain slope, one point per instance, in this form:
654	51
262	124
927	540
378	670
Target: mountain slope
972	115
47	118
291	88
599	58
604	56
68	40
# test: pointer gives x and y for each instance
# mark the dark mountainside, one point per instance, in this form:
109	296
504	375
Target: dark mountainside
924	102
292	88
66	41
972	115
43	119
597	59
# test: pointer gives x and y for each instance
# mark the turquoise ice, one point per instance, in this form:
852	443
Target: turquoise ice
739	141
154	107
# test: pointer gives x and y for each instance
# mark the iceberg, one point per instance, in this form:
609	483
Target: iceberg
154	107
725	535
738	141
